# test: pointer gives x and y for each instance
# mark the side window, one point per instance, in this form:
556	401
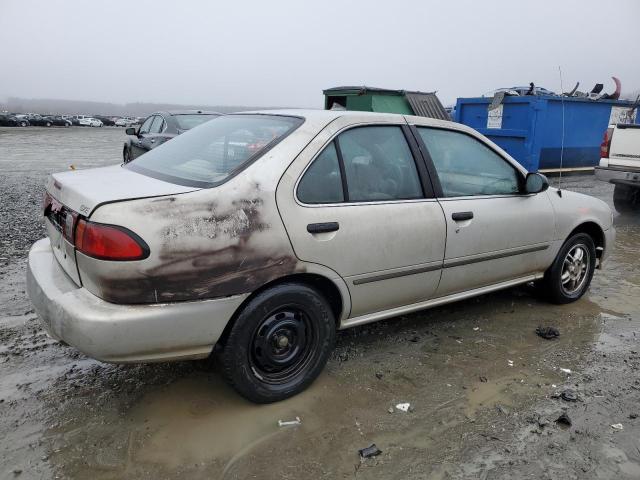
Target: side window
156	126
146	126
466	166
322	182
378	164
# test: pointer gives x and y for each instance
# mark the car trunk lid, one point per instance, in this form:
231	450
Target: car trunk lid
75	194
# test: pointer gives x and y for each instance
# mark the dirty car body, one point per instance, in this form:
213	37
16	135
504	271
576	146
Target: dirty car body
249	225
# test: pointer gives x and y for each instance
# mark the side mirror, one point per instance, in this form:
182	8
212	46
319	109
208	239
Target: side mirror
536	183
130	131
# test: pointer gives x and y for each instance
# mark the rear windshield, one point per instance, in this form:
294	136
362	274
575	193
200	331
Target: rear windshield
209	154
187	122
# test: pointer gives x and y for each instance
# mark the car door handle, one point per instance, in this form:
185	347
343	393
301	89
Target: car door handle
323	227
461	216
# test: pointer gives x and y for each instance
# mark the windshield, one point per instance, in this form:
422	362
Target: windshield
186	122
207	155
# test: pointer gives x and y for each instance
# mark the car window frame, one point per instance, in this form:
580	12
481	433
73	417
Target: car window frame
156	118
152	118
424	176
433	173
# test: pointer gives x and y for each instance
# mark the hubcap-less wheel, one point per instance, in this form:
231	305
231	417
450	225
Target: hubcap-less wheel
575	269
282	345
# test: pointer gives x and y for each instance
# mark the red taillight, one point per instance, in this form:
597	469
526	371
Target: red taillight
606	143
109	242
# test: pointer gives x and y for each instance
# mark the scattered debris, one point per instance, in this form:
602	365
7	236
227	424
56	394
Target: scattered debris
564	420
633	416
483	379
548	333
565	370
475	329
370	451
289	423
510	363
404	407
379	375
617	426
390	410
567	395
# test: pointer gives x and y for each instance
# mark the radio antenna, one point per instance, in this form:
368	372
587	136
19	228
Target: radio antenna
562	136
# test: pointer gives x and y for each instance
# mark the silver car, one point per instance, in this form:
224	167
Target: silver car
256	236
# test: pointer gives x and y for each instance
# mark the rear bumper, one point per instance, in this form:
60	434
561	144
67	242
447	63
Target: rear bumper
627	176
122	333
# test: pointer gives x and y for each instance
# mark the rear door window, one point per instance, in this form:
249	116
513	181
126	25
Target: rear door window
378	164
322	182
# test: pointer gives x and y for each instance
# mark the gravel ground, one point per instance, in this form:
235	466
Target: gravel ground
484	389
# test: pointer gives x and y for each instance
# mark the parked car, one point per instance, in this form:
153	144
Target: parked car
106	121
260	234
89	122
620	165
38	120
159	128
59	121
126	122
8	120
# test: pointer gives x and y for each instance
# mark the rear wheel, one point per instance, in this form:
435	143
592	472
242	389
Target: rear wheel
279	343
570	275
48	124
23	124
626	199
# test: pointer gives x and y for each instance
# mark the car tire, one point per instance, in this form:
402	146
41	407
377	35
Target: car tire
626	199
570	275
47	124
23	124
279	343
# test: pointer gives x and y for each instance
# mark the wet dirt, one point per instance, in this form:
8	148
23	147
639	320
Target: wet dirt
481	384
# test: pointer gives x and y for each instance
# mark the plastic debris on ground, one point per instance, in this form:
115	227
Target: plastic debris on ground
565	370
617	426
370	451
289	423
403	407
510	363
548	333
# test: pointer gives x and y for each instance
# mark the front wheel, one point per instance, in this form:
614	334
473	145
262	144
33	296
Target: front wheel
279	343
570	275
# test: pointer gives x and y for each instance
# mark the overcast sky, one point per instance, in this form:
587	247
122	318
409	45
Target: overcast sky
283	53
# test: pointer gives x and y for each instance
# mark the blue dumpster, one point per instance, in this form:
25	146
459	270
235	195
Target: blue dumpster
529	128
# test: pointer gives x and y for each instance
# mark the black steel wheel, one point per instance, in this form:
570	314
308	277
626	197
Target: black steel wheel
570	275
279	343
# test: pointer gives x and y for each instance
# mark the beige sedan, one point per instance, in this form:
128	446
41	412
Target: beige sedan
256	236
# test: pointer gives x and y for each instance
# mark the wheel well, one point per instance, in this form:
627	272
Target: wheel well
325	286
595	232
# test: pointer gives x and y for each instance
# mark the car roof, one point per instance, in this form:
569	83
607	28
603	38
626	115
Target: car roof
186	112
328	115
